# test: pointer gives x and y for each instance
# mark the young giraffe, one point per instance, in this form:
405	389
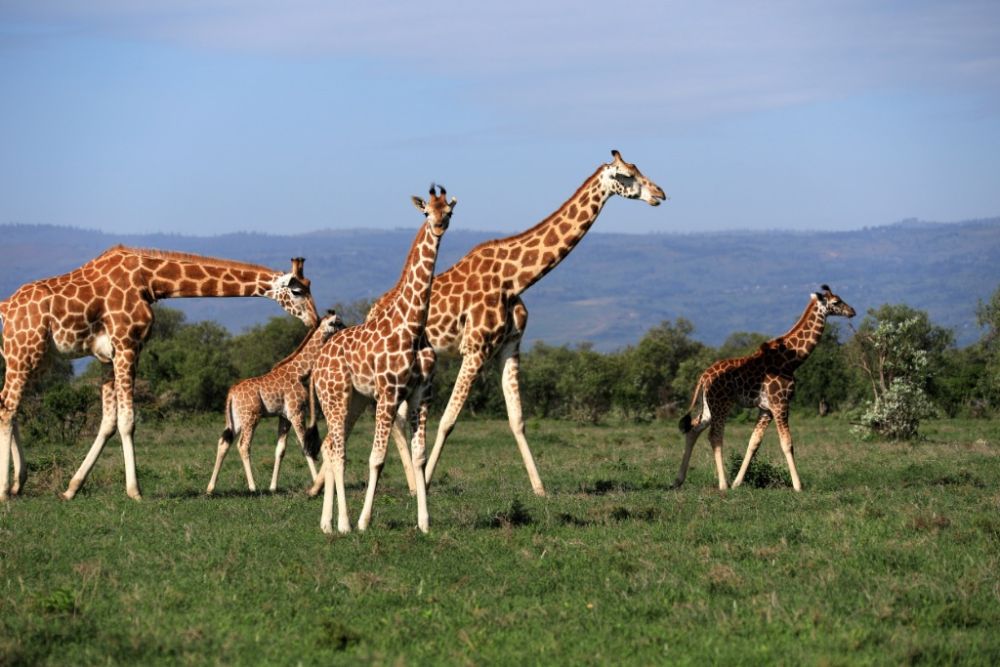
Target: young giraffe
386	358
104	308
280	392
765	380
476	308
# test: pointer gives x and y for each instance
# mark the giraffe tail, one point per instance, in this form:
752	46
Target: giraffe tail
312	444
229	433
687	423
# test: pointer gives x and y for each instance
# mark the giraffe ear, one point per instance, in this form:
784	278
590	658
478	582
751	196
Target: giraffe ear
454	200
419	203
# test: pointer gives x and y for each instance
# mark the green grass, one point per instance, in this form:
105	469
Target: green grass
889	556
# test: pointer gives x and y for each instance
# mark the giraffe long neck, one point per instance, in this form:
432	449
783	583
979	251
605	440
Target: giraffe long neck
803	337
303	358
528	256
184	276
413	291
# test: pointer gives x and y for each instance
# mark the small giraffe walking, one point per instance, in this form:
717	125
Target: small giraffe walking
104	308
387	358
765	380
476	309
280	392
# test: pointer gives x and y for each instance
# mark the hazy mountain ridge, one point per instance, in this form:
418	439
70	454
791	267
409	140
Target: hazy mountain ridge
612	287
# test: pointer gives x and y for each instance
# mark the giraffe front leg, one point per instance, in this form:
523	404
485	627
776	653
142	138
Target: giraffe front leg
109	420
758	434
337	411
332	470
510	364
15	377
471	364
399	437
356	406
279	450
785	436
20	465
6	437
385	414
124	366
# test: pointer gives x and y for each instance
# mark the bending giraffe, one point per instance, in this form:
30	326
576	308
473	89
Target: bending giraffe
476	309
386	358
280	392
104	309
765	380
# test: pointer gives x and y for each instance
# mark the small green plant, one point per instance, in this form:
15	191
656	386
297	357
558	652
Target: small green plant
760	474
61	602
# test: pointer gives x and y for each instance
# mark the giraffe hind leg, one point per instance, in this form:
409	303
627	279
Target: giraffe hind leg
225	440
109	421
471	364
279	450
715	436
690	438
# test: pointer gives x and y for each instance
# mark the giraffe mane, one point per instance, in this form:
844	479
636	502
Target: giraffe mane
189	257
302	343
534	228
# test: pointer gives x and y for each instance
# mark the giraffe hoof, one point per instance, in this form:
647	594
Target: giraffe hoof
134	495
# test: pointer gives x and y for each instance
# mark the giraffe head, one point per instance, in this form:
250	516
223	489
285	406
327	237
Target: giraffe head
330	324
437	209
291	291
831	304
625	179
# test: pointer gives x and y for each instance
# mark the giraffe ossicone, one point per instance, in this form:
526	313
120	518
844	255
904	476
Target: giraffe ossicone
764	380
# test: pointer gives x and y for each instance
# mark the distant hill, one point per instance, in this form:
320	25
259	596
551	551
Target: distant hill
612	287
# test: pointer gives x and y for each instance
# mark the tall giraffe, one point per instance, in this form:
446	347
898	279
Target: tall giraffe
281	392
387	358
104	309
476	309
765	380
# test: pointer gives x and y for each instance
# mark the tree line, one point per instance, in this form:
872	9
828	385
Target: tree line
895	368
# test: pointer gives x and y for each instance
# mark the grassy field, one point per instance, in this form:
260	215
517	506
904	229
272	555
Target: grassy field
889	556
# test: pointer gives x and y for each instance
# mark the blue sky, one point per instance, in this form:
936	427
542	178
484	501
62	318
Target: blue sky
213	116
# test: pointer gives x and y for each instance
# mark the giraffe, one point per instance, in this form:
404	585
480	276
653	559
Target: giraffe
476	309
281	392
104	309
386	358
765	380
